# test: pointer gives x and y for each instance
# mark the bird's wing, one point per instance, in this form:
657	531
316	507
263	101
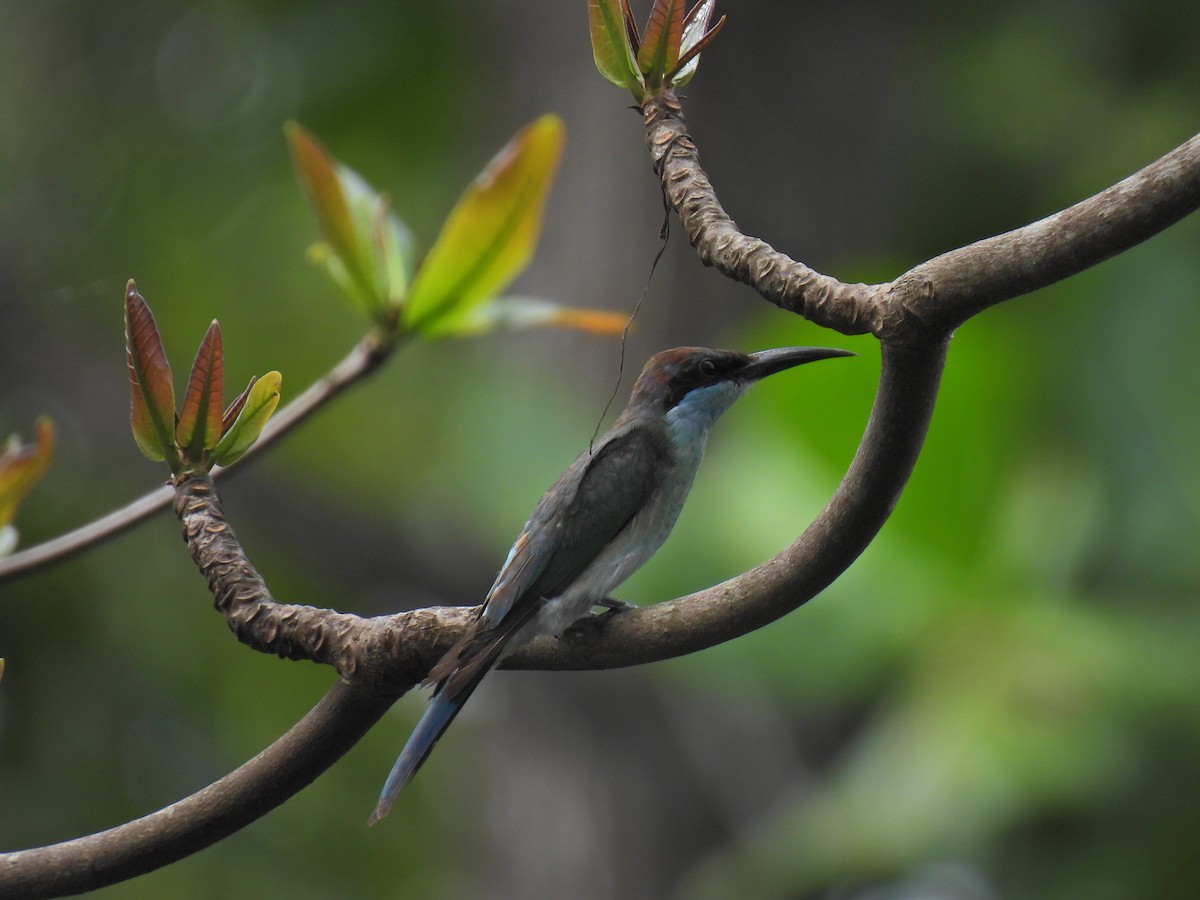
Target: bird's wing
585	509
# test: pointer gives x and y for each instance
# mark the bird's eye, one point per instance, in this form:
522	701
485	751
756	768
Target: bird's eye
708	368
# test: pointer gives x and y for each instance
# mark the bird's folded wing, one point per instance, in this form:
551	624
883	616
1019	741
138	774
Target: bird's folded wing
585	509
576	519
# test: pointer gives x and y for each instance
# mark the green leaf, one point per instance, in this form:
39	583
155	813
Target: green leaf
395	250
490	235
368	249
321	254
260	403
199	426
152	397
512	313
611	47
386	242
22	466
659	53
696	36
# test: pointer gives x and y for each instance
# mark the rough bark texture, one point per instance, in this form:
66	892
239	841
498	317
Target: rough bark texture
790	285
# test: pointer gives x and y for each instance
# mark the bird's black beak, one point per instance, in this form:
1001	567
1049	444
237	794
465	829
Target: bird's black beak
768	362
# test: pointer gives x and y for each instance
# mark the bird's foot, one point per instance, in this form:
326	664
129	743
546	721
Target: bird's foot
613	605
591	625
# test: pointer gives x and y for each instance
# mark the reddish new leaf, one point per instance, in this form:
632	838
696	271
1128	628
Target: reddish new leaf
235	408
631	29
152	397
199	426
659	53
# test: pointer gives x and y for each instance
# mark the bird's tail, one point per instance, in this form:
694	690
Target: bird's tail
454	678
452	691
437	718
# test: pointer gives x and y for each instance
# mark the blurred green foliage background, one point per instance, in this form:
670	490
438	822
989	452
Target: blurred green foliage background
998	700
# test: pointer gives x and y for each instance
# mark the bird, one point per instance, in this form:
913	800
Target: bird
605	516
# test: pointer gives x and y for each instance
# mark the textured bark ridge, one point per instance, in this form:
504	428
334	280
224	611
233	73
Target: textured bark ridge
240	594
790	285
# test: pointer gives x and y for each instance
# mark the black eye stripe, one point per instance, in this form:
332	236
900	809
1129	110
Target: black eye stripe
694	369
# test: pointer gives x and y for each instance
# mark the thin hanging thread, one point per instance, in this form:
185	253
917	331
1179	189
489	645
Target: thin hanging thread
664	234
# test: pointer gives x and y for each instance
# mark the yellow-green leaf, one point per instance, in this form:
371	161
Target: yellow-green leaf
490	235
22	466
259	405
394	248
199	426
151	394
513	313
611	46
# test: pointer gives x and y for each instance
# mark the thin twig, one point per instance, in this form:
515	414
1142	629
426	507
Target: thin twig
360	362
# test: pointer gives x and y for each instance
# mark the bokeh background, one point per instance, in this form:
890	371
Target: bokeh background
1000	699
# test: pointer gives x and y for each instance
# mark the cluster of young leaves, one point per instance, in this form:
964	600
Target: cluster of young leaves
203	433
486	241
666	53
21	467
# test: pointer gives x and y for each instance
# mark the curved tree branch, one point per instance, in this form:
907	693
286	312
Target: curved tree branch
392	652
951	288
937	296
849	522
790	285
318	740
